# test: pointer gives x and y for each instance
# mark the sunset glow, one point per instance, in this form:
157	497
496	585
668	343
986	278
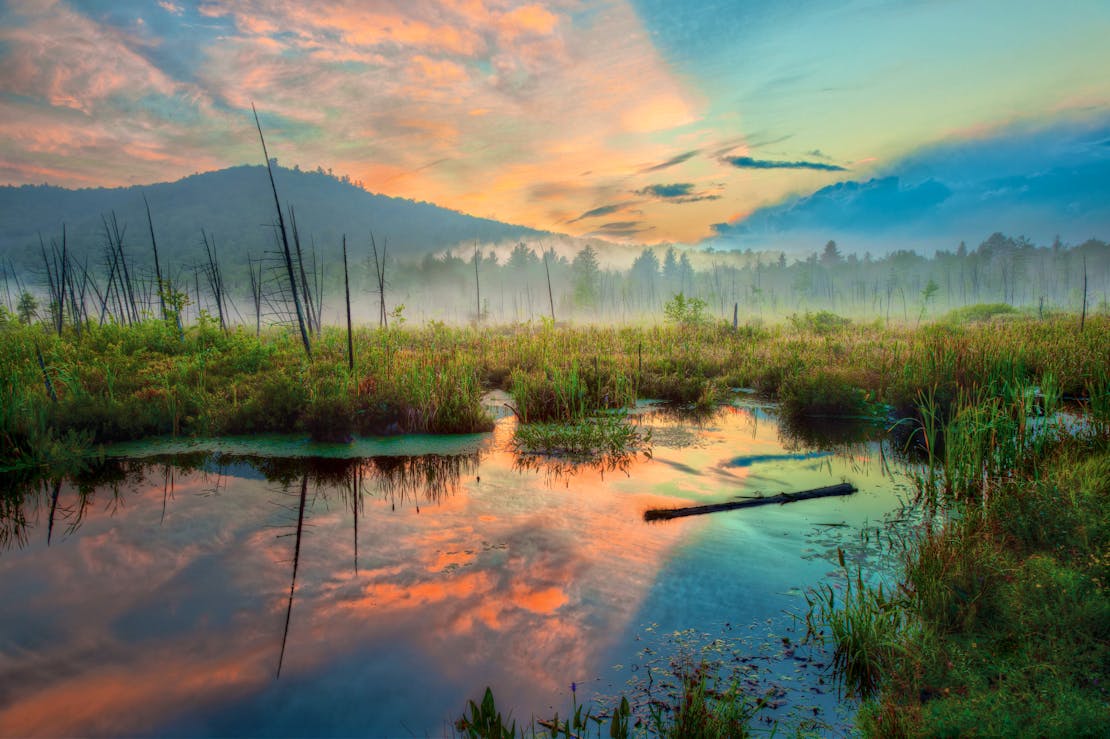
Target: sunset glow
565	116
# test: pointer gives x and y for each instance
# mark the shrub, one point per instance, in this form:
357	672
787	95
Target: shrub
823	392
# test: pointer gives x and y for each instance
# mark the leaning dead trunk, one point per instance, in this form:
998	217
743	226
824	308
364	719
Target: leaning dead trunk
284	241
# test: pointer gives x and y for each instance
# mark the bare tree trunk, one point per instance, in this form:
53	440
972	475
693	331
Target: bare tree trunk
550	298
1083	315
157	266
477	287
284	241
379	269
347	295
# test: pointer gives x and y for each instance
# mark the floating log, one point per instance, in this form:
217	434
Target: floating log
666	514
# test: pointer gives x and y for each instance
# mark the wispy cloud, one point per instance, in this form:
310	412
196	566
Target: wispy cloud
1037	181
673	161
604	210
678	192
751	163
510	99
675	190
621	229
375	90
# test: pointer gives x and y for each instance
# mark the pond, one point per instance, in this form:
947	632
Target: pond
276	587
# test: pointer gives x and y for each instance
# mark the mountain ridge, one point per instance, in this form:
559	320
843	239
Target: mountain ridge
235	206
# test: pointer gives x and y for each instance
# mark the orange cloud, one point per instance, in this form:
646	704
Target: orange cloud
438	71
508	95
528	19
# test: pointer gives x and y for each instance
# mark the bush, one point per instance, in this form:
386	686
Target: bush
821	322
823	392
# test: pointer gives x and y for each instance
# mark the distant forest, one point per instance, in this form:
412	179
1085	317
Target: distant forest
902	286
221	255
524	282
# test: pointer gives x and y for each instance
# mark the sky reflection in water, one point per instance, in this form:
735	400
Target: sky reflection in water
160	605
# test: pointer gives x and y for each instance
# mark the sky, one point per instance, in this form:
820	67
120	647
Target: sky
648	121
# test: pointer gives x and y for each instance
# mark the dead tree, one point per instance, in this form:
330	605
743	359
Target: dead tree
347	296
379	269
284	241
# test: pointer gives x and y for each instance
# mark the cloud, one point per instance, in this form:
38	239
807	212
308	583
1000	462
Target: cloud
604	210
678	192
673	161
374	90
743	162
621	229
873	204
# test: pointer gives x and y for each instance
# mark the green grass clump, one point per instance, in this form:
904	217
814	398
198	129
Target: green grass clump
567	394
866	627
824	392
698	711
484	721
821	322
590	438
702	711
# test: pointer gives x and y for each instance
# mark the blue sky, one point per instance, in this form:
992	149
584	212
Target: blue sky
632	120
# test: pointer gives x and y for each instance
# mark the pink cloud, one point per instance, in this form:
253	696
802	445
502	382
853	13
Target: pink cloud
504	95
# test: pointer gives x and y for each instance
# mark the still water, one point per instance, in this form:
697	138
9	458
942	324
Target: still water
276	587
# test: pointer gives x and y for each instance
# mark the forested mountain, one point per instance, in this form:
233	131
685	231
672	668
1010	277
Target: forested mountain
235	207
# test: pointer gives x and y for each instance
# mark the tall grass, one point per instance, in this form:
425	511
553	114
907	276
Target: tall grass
1001	625
125	382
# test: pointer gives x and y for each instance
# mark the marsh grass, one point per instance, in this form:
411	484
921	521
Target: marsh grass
866	626
588	439
1001	625
702	709
119	383
484	721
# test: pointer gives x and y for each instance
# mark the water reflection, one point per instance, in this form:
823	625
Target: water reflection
296	561
175	589
561	470
830	433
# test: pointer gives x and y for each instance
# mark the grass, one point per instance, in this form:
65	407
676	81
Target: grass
1001	626
702	711
116	383
587	439
699	710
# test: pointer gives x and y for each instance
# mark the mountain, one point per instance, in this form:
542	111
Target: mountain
234	206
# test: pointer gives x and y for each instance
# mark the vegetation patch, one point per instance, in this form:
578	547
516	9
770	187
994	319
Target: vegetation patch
980	312
1001	626
588	439
825	392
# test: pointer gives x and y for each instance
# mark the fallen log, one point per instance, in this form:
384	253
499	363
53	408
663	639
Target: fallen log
666	514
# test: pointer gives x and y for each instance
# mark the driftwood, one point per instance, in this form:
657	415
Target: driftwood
666	514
